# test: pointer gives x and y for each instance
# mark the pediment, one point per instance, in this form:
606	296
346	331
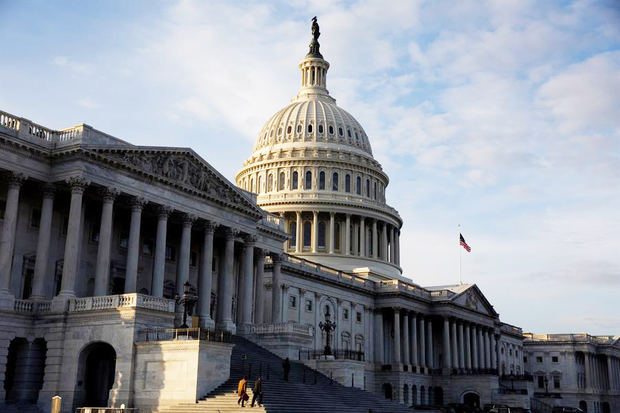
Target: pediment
473	299
182	168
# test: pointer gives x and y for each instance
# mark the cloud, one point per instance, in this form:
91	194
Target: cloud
72	65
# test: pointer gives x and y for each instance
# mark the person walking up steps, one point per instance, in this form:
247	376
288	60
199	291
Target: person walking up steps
286	368
258	392
242	391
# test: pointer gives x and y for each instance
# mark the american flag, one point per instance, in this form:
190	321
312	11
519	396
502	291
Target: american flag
464	244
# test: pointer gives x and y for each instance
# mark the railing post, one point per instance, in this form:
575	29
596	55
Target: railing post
56	404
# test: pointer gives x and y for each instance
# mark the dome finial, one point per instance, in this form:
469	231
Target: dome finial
314	44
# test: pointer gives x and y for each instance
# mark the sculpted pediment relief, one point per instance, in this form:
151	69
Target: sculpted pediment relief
474	300
181	169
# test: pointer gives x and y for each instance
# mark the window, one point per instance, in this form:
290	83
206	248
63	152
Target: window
171	253
281	181
336	236
295	180
270	183
259	184
321	180
358	316
541	382
331	129
345	313
368	188
2	207
309	128
289	129
292	301
335	181
375	192
340	132
35	218
94	233
298	128
307	233
556	382
252	185
293	232
147	247
320	128
308	180
524	359
510	352
358	186
349	133
123	240
538	359
308	305
322	234
554	359
347	183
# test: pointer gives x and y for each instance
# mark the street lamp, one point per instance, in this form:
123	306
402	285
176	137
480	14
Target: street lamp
328	326
187	300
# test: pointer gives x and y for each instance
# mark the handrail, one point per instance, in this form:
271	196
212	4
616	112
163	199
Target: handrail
176	334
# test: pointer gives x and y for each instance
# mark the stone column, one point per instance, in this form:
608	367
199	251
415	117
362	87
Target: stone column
205	277
379	337
355	241
610	374
406	359
453	344
429	344
331	232
347	235
461	347
133	247
487	349
391	245
315	231
102	270
397	247
224	302
396	336
248	279
375	251
474	351
468	347
72	243
259	306
384	242
363	252
447	353
494	353
481	354
159	263
299	242
43	243
184	253
9	226
276	290
422	335
414	339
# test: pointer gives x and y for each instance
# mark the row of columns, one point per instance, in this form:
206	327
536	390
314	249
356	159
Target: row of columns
602	373
384	243
468	346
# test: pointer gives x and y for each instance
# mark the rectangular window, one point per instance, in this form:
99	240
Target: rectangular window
147	247
345	314
554	359
2	207
308	305
292	301
524	359
65	226
171	253
124	240
35	218
538	359
541	382
358	316
94	233
556	382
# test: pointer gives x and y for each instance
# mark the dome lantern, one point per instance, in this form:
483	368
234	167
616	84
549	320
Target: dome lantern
314	70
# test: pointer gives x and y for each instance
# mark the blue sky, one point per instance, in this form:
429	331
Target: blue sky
503	117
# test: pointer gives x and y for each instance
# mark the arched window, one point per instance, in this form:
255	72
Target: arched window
368	188
295	180
270	183
307	233
320	128
358	186
309	128
289	129
308	180
335	181
252	185
340	132
330	128
298	128
347	183
414	395
321	180
281	181
259	186
336	236
322	234
422	395
375	195
293	232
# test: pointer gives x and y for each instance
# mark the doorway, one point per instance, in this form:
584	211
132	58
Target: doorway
96	369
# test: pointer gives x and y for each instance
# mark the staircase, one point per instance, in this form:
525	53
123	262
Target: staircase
306	391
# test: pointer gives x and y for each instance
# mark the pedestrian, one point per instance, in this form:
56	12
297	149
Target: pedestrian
242	391
286	368
258	392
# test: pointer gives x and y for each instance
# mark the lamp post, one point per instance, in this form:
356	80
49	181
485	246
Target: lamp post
187	300
328	326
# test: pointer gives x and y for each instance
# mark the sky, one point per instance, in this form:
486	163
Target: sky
499	116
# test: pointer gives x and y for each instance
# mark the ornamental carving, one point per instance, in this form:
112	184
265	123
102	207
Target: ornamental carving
471	300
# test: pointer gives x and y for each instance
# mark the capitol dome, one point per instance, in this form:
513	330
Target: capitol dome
312	164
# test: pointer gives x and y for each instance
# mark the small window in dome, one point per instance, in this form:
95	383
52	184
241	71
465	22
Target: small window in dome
349	132
331	129
340	132
271	133
298	128
356	137
320	128
289	129
279	131
309	128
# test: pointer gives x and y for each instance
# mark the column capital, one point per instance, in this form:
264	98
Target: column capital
164	211
276	257
230	233
209	226
315	213
77	183
48	189
16	179
250	240
259	253
332	213
189	219
137	203
109	194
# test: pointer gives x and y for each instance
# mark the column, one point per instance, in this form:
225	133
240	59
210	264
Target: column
396	336
384	243
355	240
375	240
9	226
422	336
453	344
159	262
460	346
363	240
487	349
102	270
43	243
248	279
414	339
447	353
406	359
276	290
224	302
391	244
474	350
347	235
259	306
379	337
300	239
494	352
429	344
468	346
205	277
610	374
133	247
397	247
481	354
331	232
72	243
315	230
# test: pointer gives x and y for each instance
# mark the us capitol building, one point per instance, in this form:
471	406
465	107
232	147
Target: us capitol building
107	248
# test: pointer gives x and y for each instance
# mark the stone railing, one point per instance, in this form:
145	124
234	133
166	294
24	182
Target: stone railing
121	301
277	328
274	221
175	334
510	329
398	285
9	121
30	306
580	338
328	272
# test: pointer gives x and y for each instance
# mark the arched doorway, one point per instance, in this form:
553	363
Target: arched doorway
438	396
583	405
471	399
406	394
96	368
387	390
24	370
605	407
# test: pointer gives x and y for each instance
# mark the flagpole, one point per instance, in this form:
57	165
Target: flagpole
460	260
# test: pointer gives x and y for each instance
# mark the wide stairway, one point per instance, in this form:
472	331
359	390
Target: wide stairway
306	391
